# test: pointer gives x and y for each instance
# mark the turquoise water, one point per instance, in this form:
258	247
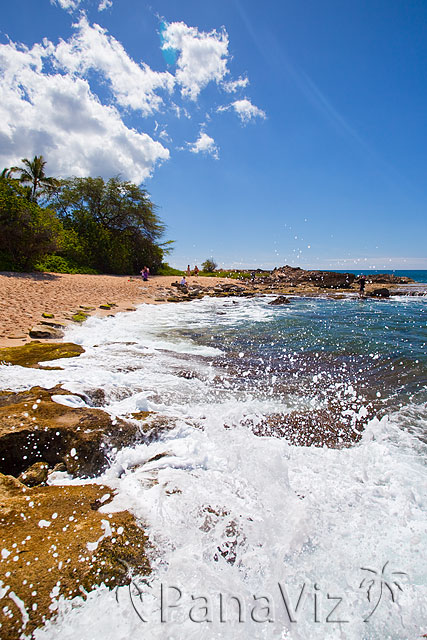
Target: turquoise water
380	347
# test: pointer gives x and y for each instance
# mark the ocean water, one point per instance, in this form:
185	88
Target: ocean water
258	529
418	275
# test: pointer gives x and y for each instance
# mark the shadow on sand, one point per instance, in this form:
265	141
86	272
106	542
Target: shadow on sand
30	276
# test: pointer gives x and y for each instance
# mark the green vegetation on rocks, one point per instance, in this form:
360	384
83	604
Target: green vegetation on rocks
80	317
29	355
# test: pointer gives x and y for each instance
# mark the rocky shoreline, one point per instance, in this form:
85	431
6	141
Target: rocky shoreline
61	539
40	306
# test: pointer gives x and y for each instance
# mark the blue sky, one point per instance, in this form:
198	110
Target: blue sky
267	133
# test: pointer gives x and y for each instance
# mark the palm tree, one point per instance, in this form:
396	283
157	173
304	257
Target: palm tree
6	174
34	174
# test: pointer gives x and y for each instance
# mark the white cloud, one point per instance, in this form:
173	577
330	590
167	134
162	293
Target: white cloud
244	109
48	103
202	56
68	5
204	144
132	85
231	86
59	117
105	4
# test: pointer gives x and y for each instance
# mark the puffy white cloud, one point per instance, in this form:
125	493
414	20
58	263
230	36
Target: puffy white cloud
105	4
244	109
231	86
49	106
202	56
132	85
68	5
58	116
204	144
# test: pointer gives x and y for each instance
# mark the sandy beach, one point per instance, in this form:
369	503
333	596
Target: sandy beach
26	296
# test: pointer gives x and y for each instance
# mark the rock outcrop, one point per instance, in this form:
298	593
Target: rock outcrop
44	332
388	278
34	428
380	293
60	541
29	355
327	279
280	300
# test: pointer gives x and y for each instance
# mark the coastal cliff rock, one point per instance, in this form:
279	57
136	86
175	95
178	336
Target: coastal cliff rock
60	541
34	428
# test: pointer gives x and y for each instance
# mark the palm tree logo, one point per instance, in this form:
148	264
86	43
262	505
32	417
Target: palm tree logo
380	582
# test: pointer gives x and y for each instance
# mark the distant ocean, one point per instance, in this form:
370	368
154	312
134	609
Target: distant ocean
419	275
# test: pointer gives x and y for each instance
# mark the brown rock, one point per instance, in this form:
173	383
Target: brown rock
326	279
56	543
43	332
389	278
34	475
323	427
280	300
79	437
380	293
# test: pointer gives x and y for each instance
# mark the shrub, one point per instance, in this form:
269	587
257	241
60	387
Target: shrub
58	264
209	265
166	270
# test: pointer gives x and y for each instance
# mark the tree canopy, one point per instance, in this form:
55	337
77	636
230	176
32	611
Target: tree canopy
115	222
27	232
91	225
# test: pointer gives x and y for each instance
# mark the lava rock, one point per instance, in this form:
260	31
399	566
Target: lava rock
380	293
280	300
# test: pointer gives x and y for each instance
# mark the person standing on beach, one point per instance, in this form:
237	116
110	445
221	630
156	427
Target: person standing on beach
188	270
196	270
362	283
144	273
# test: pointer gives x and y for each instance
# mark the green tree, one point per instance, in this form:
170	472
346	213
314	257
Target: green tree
115	222
27	231
209	265
33	174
